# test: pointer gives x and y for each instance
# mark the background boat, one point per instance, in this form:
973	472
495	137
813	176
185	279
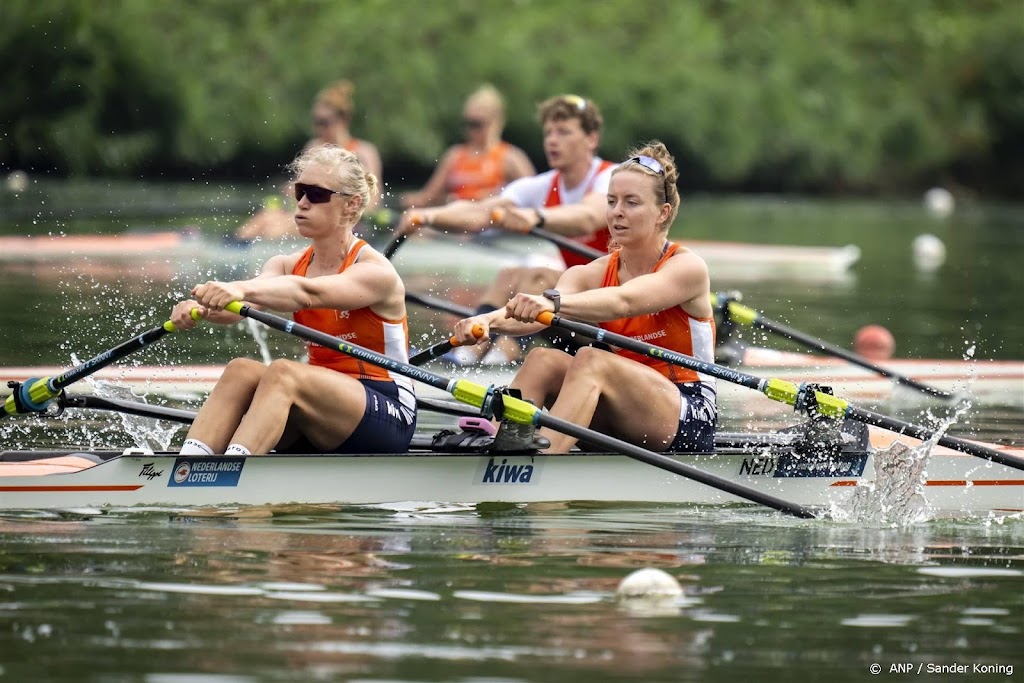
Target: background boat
463	257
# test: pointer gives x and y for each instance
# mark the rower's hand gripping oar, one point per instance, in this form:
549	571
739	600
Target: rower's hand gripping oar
33	395
783	391
442	347
515	409
744	315
561	241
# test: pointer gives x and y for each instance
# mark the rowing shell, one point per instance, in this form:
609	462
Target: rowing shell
955	485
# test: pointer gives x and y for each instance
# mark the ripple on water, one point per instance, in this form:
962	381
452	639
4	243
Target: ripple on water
879	620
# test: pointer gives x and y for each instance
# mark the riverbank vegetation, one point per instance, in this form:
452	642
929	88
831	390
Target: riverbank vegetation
862	96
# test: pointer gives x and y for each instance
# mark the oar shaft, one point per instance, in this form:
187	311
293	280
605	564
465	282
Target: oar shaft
922	433
671	465
441	348
745	315
567	243
36	394
437	304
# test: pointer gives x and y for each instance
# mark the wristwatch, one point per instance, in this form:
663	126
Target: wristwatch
555	298
541	219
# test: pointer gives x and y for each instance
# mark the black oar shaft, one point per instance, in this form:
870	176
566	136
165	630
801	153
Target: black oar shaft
820	345
34	394
567	243
515	409
671	465
922	433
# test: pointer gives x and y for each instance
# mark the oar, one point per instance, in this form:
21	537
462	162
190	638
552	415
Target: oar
744	315
437	304
129	408
398	239
516	410
562	241
33	394
442	347
784	392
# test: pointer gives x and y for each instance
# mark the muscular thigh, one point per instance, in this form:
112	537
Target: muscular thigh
327	405
637	404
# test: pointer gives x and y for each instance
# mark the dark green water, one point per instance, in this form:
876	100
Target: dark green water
516	593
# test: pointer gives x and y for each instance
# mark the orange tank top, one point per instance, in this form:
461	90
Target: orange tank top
476	176
599	240
360	326
672	328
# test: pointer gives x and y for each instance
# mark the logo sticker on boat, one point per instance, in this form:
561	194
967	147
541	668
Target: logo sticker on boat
791	465
206	472
508	470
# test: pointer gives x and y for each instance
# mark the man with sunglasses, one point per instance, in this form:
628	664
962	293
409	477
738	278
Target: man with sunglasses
569	200
339	285
482	165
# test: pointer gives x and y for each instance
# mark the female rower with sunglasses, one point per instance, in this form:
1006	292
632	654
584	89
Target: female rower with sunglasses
648	288
482	165
338	285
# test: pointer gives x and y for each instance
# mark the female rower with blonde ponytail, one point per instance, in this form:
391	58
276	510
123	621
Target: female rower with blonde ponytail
648	288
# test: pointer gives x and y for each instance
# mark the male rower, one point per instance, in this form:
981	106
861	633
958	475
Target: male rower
569	200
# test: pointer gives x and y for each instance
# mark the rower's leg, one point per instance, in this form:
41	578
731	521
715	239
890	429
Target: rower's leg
617	396
222	411
540	378
323	405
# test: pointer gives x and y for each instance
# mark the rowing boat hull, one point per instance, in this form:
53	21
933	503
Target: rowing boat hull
956	485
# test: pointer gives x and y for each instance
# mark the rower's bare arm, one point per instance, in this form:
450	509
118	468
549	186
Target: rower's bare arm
575	220
682	281
433	192
367	283
464	215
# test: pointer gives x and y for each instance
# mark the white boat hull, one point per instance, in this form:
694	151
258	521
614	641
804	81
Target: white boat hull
956	484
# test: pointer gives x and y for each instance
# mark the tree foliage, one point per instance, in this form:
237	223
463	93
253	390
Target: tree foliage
862	95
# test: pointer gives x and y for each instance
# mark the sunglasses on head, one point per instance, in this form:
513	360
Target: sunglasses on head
652	165
575	101
315	193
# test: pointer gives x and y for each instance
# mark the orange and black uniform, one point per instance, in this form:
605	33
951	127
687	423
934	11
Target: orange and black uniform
675	329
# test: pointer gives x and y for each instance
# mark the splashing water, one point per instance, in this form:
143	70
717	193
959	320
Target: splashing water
897	495
259	334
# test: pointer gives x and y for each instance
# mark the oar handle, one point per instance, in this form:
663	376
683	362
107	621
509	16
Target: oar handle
443	347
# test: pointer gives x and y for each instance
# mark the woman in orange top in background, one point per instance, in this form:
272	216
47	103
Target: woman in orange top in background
482	165
338	285
647	288
331	114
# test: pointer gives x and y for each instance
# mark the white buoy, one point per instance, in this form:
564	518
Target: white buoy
929	253
649	583
17	181
939	202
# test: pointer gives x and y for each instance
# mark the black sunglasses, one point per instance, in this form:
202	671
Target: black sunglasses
315	193
475	124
